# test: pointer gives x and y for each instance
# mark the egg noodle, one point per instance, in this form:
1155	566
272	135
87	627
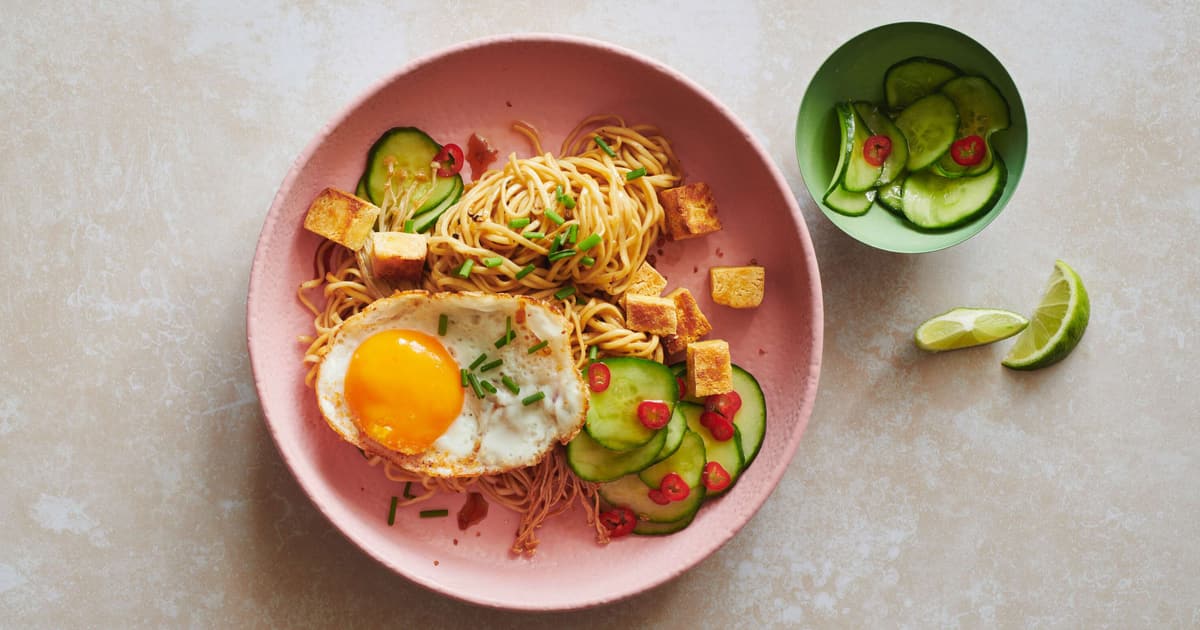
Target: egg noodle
566	199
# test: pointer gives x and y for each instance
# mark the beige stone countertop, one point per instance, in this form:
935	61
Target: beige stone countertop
139	486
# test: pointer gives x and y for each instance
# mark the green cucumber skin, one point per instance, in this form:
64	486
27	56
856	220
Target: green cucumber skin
878	124
425	221
592	462
926	65
890	196
420	155
997	191
675	431
851	204
846	125
937	117
612	414
859	176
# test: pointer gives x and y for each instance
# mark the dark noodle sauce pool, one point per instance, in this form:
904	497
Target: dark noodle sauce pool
480	155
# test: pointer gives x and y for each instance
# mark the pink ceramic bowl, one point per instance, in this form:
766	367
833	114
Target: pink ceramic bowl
552	82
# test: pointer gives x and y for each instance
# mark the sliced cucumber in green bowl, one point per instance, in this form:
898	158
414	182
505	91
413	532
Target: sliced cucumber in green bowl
856	72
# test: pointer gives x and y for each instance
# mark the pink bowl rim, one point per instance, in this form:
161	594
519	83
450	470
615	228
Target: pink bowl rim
808	396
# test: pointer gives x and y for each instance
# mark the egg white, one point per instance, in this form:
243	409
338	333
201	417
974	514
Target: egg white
491	435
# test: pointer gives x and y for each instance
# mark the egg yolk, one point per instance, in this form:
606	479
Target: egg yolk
403	389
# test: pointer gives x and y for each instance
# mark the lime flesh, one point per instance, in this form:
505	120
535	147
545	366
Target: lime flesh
967	327
1057	325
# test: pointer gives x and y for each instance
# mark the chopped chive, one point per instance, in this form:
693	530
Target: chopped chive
634	174
443	324
593	352
503	341
519	222
475	385
538	346
493	261
533	235
525	271
478	360
410	226
589	242
555	217
564	198
508	325
462	374
561	254
565	292
434	513
392	511
572	233
557	243
532	398
465	270
604	145
587	261
491	365
408	490
486	384
510	384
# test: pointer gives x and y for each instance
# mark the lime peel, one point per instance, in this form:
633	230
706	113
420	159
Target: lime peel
1057	325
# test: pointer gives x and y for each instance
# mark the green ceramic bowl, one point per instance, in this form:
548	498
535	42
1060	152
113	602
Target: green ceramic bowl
855	71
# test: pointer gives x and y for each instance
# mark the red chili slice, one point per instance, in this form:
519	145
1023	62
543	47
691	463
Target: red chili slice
726	404
654	414
599	377
451	160
720	426
716	478
877	149
968	151
673	487
658	496
682	383
618	521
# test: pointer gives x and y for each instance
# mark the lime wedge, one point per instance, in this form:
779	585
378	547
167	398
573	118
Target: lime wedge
966	327
1058	323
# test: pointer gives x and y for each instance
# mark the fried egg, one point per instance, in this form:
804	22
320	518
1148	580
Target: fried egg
391	383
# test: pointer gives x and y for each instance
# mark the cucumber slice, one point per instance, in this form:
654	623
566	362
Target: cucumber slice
629	491
751	419
612	418
880	125
687	461
727	453
593	462
935	202
851	204
860	175
360	189
406	155
846	137
675	430
425	222
650	528
982	111
891	196
915	78
929	126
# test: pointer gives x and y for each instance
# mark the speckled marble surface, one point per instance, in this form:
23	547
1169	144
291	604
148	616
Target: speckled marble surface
143	145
